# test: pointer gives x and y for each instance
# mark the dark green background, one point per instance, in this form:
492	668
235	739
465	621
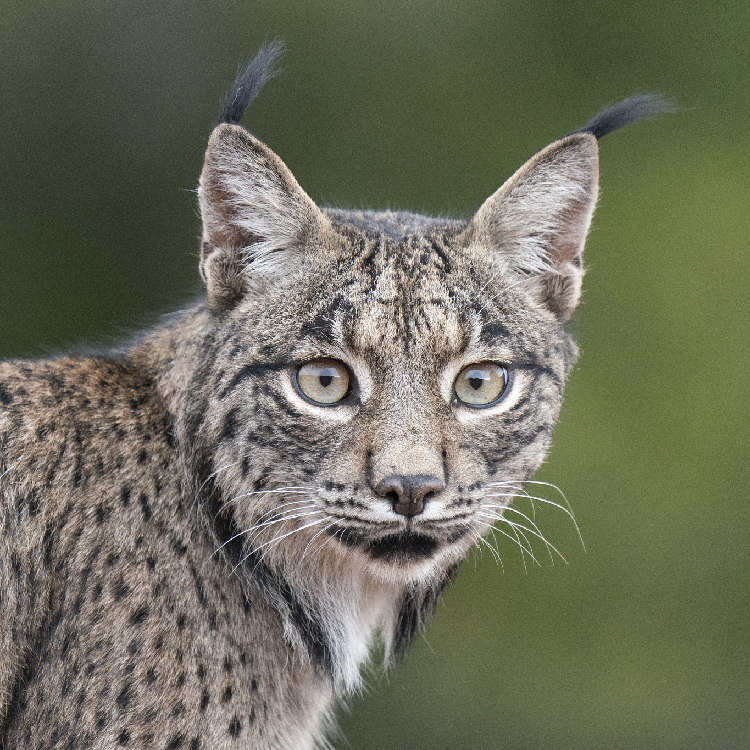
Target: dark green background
642	640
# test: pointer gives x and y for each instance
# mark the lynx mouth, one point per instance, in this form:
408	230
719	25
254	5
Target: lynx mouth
400	548
405	547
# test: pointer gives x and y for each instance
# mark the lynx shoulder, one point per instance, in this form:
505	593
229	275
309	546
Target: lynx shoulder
204	535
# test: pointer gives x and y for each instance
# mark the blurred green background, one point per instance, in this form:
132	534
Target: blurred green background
642	640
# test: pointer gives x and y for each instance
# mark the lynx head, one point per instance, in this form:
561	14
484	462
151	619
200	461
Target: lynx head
378	386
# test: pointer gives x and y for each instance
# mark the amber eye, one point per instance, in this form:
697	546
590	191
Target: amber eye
324	381
481	384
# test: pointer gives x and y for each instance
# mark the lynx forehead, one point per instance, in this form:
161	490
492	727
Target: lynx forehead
204	535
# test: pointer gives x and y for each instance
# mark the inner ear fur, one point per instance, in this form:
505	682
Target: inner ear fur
255	215
537	222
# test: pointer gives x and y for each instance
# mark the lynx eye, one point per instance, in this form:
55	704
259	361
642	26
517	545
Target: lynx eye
481	384
324	381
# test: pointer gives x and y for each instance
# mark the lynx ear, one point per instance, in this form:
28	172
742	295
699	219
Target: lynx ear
539	218
255	215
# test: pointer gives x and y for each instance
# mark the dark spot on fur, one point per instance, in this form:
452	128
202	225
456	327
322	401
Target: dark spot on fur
457	535
123	697
235	727
143	499
179	548
33	504
120	589
229	425
47	542
77	472
140	614
6	397
176	742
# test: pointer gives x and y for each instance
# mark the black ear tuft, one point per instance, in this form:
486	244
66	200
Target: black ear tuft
249	82
628	111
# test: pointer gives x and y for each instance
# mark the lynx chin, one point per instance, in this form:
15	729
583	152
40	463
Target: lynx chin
204	535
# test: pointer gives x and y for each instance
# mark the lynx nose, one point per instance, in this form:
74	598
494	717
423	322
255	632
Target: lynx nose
409	493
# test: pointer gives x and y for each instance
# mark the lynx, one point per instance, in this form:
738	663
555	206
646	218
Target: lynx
204	534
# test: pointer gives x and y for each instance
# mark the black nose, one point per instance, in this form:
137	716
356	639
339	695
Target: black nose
409	493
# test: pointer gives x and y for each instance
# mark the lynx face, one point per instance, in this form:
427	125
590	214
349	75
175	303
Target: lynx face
441	392
387	381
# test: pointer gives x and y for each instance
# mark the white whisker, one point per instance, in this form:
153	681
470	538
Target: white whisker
515	540
495	553
522	493
313	538
276	540
291	516
292	505
511	509
523	529
276	491
258	527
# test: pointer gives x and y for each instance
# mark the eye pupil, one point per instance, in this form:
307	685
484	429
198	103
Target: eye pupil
476	383
325	380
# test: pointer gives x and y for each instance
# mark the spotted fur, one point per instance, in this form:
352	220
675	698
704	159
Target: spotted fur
197	555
